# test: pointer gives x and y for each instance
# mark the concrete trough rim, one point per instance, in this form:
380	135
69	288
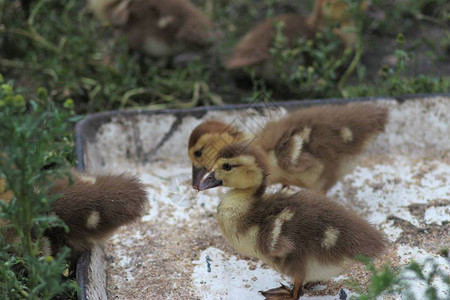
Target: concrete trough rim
94	261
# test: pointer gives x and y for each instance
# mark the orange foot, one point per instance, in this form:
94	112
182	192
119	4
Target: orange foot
281	293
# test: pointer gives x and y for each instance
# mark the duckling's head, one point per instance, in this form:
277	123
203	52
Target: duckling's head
205	142
338	10
241	166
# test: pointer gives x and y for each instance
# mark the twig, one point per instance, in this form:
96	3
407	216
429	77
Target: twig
352	65
209	8
34	36
430	19
34	12
12	63
140	91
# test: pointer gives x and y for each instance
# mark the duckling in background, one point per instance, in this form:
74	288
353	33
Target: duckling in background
93	207
310	148
304	235
253	50
157	28
205	142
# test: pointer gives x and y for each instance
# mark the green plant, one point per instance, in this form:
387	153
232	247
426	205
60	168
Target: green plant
64	50
34	145
310	67
393	80
61	47
405	282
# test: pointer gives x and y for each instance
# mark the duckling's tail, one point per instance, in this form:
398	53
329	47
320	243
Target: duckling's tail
93	207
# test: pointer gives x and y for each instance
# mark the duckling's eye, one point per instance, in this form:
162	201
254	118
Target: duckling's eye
198	153
227	167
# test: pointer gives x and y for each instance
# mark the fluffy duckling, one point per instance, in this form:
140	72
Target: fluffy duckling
157	28
253	50
311	148
315	147
304	235
205	142
92	207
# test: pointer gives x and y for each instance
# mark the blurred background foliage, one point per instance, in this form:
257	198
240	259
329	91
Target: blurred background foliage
61	47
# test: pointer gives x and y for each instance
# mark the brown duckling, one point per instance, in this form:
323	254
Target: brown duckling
315	147
304	235
253	50
92	207
311	148
157	28
205	142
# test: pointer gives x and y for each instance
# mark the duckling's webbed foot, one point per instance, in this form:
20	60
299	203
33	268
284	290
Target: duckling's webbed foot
283	292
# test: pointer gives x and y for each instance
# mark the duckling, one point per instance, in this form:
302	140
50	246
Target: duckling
205	141
315	147
304	235
157	28
92	207
253	50
311	148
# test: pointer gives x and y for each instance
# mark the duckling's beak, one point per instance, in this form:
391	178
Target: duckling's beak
209	181
197	175
375	13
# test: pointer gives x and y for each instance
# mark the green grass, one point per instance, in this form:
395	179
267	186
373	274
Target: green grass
403	282
35	143
62	48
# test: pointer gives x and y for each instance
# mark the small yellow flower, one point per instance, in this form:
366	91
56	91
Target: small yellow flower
42	92
69	104
400	38
7	89
18	101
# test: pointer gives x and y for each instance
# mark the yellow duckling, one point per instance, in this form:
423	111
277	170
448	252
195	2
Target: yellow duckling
304	235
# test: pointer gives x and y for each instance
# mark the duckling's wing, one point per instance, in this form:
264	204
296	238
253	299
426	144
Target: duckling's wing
272	216
292	157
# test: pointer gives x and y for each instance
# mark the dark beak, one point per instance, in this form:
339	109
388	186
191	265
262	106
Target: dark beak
209	182
197	175
375	13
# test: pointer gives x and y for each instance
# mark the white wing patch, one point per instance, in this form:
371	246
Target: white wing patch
346	134
305	134
87	179
164	21
93	220
330	237
296	150
284	216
